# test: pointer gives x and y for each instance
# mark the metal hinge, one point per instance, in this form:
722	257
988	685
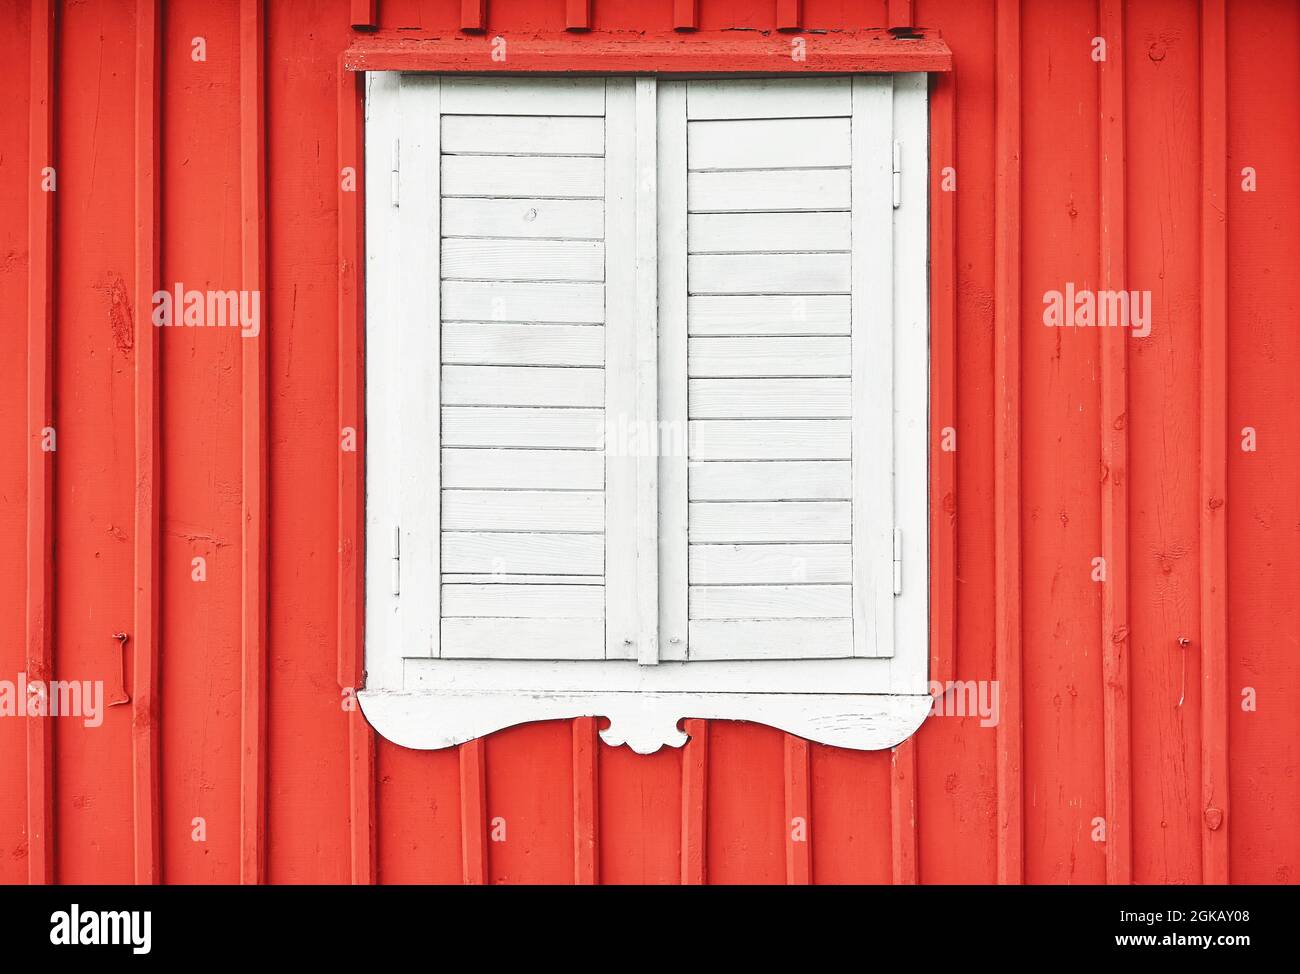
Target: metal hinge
397	559
898	174
898	561
397	170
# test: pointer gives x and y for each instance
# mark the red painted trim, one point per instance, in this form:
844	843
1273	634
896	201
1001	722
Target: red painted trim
789	14
364	14
1006	439
40	463
943	380
146	788
847	51
351	496
473	15
586	793
798	812
252	181
577	14
899	13
1114	459
1214	435
686	14
473	812
362	800
695	803
902	813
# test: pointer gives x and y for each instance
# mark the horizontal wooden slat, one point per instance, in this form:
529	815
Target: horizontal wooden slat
768	357
770	564
792	521
524	601
564	177
769	98
710	639
507	578
516	469
768	274
769	398
484	343
489	426
538	135
523	510
524	554
523	638
557	303
523	96
524	218
769	601
498	259
774	232
778	190
769	314
491	385
772	480
769	439
775	143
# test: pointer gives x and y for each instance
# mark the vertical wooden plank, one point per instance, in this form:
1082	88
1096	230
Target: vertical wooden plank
789	14
1006	439
646	377
943	379
252	181
473	812
146	786
473	15
899	13
419	502
798	812
622	394
39	634
351	488
577	14
686	14
1114	455
586	793
364	14
1214	435
673	537
695	802
902	813
872	310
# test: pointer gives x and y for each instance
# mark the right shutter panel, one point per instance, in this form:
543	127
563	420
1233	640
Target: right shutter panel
788	352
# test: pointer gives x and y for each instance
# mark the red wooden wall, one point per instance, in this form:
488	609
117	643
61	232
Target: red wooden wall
1119	701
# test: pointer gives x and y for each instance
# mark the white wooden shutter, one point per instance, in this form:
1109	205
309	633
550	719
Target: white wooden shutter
781	217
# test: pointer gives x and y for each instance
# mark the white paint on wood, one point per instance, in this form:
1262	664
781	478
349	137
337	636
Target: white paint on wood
769	98
771	480
770	601
524	218
563	177
778	190
770	564
493	259
730	233
546	302
469	95
523	601
489	385
769	439
769	357
769	274
523	510
509	426
770	398
721	522
523	554
536	135
523	469
777	143
484	343
771	639
769	314
519	639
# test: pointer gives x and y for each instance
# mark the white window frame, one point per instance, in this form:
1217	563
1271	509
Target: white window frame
412	697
